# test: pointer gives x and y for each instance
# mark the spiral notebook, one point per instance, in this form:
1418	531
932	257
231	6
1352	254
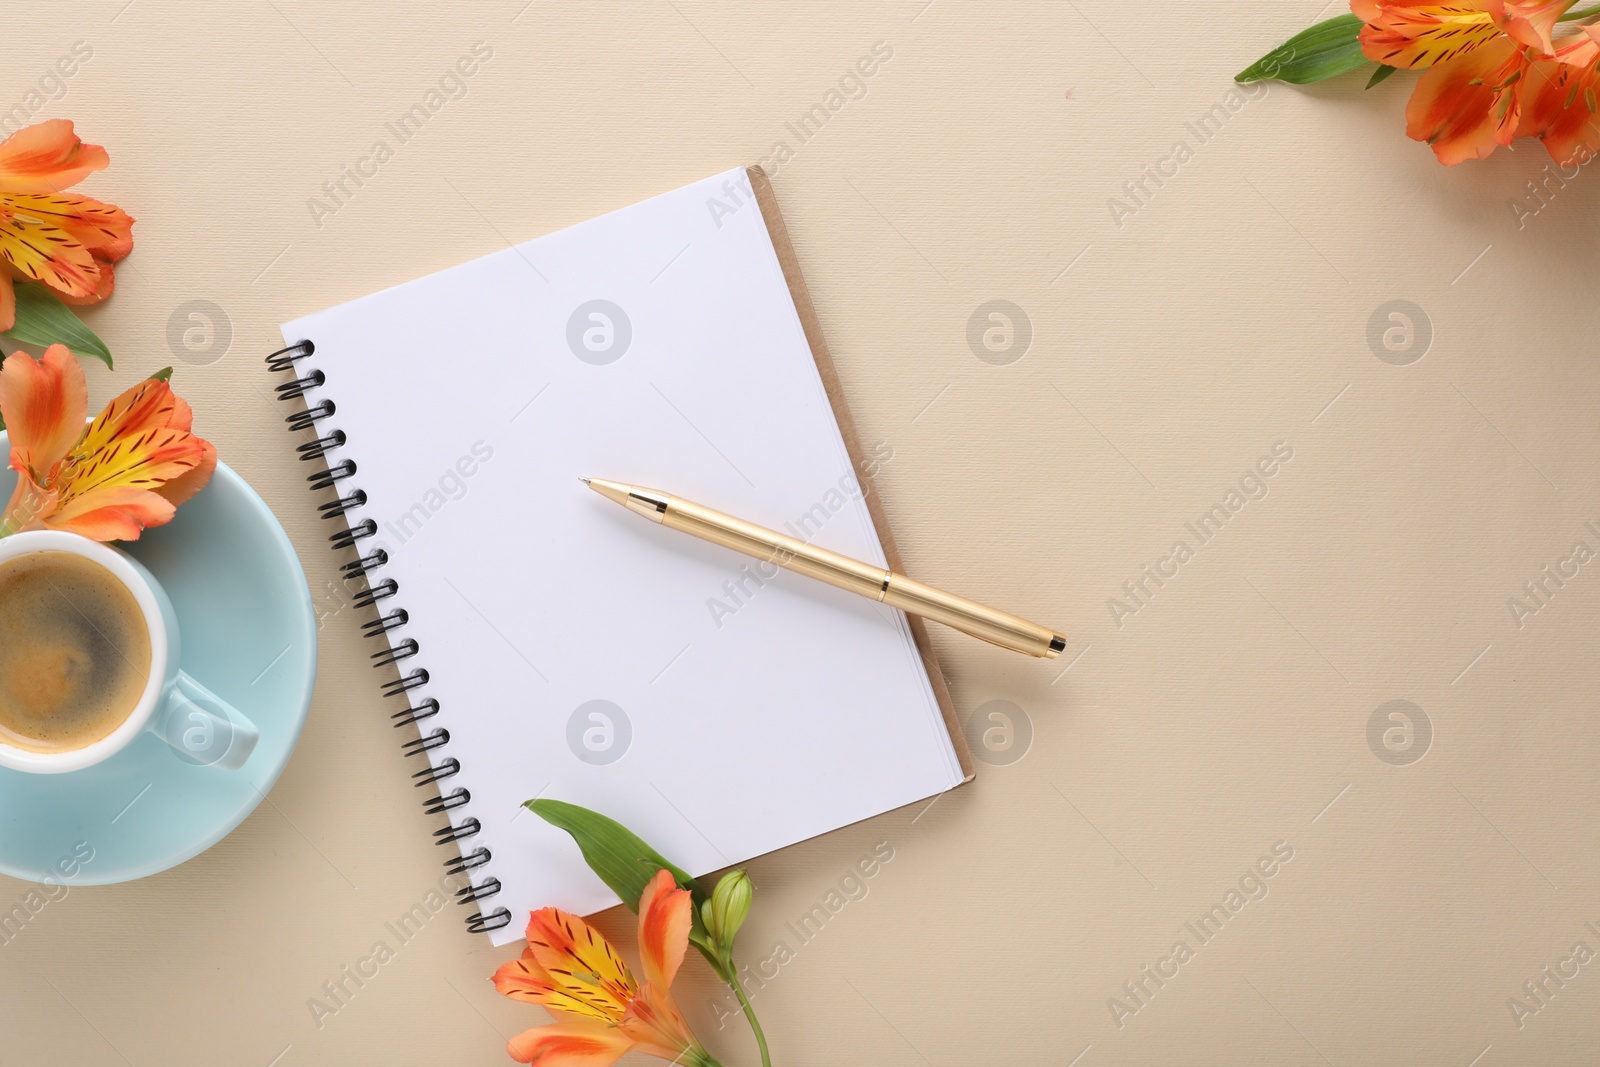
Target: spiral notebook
551	644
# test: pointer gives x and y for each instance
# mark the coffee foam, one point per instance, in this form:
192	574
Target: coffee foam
74	652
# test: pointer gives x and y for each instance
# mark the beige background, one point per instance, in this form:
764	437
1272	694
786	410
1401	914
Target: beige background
1169	753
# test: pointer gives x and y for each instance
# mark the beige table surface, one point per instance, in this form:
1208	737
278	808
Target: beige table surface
1151	768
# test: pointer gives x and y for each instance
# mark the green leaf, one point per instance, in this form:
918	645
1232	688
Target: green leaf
162	375
44	320
621	859
1380	74
626	864
1324	50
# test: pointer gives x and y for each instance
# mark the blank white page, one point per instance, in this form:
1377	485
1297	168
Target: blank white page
754	712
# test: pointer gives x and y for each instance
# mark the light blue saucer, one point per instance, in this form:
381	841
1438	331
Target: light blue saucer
249	634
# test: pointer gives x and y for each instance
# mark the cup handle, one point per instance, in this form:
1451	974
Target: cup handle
202	728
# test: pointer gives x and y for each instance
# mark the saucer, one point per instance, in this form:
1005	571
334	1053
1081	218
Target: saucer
248	634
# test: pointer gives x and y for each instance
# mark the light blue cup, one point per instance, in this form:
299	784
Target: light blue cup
248	631
197	724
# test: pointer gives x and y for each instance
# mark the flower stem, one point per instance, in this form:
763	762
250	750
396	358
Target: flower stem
1573	16
755	1024
697	1057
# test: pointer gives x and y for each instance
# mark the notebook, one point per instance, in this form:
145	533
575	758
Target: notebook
548	643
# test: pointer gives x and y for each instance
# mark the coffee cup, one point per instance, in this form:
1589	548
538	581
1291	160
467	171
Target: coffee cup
199	726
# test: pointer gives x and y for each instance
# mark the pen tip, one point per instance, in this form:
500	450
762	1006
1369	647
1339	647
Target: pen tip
585	481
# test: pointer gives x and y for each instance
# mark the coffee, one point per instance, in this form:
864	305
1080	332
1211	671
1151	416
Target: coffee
74	652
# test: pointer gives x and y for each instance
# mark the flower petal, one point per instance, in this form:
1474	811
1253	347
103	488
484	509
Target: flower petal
8	301
143	406
47	158
40	252
103	285
184	486
104	229
1467	106
664	920
1558	98
27	507
580	962
1421	33
182	417
118	513
144	463
569	1045
44	402
657	1027
1573	137
1530	21
525	980
522	979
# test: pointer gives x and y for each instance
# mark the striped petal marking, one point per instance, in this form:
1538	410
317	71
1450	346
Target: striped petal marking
570	969
127	471
1414	35
1469	105
61	240
581	963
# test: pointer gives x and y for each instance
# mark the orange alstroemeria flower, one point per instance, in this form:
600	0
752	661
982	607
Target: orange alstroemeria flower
1494	72
1422	33
1471	104
128	470
65	242
1562	97
573	971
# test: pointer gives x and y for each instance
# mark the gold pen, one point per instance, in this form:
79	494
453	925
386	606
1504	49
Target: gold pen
885	586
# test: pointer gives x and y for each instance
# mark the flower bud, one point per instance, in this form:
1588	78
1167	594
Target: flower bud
728	907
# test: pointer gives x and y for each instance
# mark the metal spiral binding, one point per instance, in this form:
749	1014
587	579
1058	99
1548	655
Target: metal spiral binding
351	534
407	716
330	477
374	593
